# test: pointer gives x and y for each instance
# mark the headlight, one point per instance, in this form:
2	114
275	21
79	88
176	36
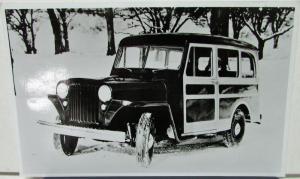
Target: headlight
104	93
62	90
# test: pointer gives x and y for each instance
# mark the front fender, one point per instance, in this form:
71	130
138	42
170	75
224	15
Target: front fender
132	113
57	103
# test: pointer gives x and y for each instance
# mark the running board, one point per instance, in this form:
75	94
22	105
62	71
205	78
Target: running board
199	133
99	134
197	140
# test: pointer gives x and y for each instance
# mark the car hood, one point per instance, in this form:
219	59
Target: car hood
138	90
130	89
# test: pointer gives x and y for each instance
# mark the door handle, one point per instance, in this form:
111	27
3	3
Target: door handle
214	81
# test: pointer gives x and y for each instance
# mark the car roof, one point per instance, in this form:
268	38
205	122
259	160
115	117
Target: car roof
180	39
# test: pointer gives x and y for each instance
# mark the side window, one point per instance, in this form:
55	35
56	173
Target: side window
228	63
199	62
247	65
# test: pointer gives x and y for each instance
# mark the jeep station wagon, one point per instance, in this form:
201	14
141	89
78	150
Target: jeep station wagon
172	87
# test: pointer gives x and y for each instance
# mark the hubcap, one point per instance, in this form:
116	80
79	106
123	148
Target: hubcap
237	129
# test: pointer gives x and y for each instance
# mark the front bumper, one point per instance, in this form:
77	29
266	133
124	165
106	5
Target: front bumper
104	135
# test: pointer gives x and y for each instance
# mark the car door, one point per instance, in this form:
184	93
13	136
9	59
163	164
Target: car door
200	87
231	86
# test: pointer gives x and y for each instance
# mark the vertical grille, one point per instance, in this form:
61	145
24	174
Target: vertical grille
83	104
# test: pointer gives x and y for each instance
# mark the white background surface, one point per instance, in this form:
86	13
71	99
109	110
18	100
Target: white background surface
9	159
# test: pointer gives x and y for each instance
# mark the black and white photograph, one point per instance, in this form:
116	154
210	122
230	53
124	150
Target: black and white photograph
151	90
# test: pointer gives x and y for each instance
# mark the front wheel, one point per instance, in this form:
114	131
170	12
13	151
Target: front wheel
145	139
67	144
236	133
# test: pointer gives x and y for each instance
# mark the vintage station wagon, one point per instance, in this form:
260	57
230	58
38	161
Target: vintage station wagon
175	87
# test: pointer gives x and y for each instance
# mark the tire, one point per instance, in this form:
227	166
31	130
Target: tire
145	139
235	135
66	144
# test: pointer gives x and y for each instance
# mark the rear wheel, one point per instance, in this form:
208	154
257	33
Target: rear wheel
145	139
236	133
67	144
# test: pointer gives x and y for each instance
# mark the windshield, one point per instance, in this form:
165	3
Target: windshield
150	57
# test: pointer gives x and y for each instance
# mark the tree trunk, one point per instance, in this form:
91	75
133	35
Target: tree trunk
32	33
236	34
66	38
55	24
23	28
26	41
33	49
261	45
219	22
111	49
27	45
276	39
168	18
62	13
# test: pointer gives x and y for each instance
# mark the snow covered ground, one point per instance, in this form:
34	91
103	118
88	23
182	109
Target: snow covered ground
260	152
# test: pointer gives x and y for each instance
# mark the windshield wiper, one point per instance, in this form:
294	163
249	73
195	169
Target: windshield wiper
158	70
124	68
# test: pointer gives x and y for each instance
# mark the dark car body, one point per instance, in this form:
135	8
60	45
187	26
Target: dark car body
135	91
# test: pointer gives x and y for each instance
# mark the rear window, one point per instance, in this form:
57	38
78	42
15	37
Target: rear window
247	65
228	63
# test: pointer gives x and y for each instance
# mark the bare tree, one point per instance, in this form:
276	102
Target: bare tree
65	23
109	16
161	20
279	20
219	21
60	20
258	21
22	21
55	24
237	19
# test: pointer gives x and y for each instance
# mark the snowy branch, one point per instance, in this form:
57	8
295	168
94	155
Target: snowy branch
176	23
250	27
182	23
139	19
16	18
278	33
126	33
70	18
